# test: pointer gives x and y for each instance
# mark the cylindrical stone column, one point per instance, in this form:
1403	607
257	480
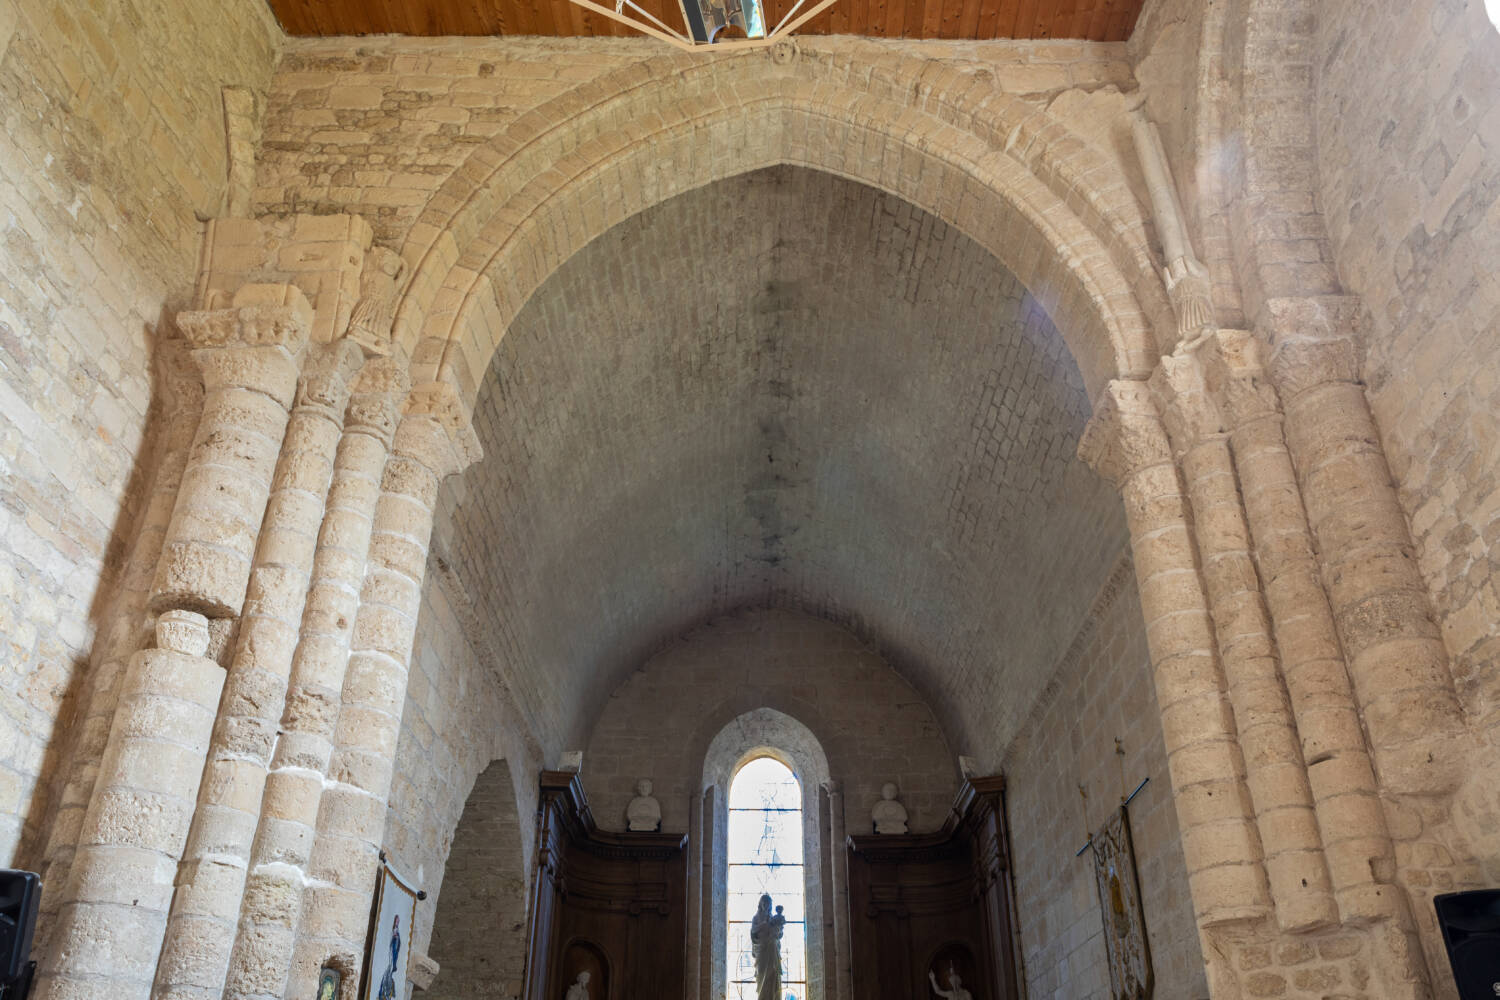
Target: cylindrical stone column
1274	771
268	916
115	905
351	813
1127	444
1393	646
1356	843
248	356
211	878
182	389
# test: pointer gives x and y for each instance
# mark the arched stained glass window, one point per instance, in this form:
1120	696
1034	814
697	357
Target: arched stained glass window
765	857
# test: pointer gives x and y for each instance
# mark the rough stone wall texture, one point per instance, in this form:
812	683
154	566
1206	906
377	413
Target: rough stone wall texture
1100	691
374	126
479	939
454	734
865	417
1410	189
113	138
872	725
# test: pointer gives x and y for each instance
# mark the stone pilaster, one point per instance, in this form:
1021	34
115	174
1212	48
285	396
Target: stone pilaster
1275	773
1380	605
211	879
433	441
268	915
1127	444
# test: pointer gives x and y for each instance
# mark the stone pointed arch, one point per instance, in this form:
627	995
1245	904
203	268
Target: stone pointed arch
1050	207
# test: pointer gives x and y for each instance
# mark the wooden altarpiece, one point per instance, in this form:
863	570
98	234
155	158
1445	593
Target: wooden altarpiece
613	905
936	902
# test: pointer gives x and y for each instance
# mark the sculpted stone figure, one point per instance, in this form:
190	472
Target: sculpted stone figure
955	991
765	938
888	814
644	812
580	989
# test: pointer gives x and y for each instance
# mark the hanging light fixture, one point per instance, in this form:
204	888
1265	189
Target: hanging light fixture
718	23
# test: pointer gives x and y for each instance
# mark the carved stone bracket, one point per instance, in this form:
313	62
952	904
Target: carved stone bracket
270	315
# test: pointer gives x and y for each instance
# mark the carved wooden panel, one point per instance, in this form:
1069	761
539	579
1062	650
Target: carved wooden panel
610	904
938	904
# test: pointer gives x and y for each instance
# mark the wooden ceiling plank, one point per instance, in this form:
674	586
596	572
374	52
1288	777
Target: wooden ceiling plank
1124	23
1010	10
932	18
989	19
968	19
1099	21
895	18
1025	18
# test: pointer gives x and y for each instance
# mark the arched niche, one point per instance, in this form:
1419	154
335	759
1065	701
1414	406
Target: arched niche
479	932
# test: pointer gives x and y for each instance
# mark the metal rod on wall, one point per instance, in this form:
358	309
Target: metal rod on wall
1124	802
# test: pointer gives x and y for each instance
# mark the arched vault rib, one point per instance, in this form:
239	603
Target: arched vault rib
1005	173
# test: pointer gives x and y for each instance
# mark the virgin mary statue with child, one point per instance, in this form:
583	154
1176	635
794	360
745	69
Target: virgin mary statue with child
765	940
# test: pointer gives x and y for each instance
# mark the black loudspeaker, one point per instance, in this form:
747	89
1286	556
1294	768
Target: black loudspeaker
1471	930
20	894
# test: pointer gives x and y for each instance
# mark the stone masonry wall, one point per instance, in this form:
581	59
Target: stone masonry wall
1410	189
373	126
873	726
1101	691
113	139
454	731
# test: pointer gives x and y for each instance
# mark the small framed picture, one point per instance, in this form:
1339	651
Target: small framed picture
389	948
328	984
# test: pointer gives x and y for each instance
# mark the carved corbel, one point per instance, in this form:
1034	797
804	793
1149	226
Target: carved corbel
1189	412
379	281
1234	371
1189	286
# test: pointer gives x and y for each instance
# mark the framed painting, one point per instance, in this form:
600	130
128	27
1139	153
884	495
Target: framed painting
1130	974
388	949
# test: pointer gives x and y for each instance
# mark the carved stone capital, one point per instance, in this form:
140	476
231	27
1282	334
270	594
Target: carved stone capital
1314	341
326	379
1125	434
1234	369
1188	410
451	446
276	315
378	394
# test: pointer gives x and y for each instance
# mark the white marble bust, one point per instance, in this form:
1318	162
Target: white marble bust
644	812
888	814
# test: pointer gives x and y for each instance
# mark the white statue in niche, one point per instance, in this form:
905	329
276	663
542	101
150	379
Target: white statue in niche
888	814
580	989
643	815
955	989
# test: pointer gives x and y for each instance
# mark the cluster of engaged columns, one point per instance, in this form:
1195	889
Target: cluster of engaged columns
1297	668
226	799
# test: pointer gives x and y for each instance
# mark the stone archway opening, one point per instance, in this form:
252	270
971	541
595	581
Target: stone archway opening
479	934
